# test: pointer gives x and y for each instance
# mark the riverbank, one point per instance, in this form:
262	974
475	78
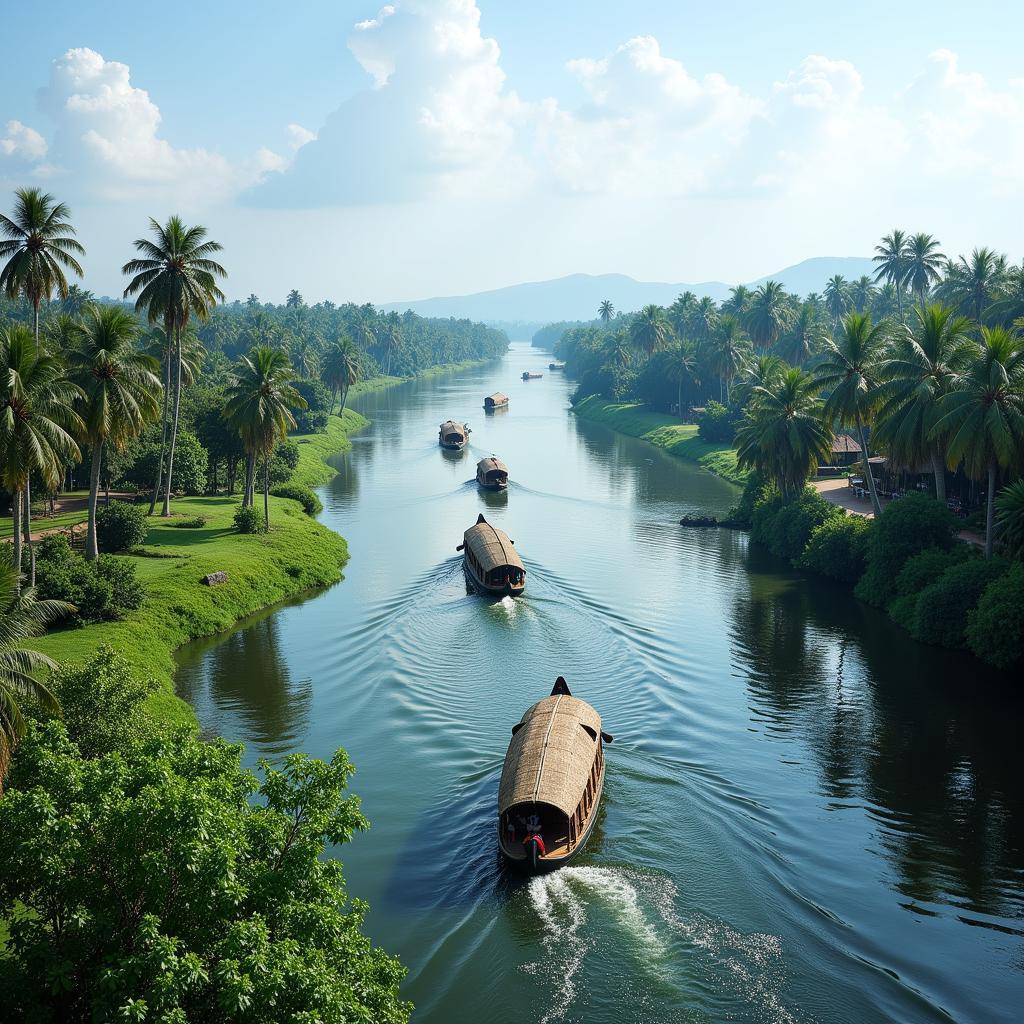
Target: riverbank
297	554
679	439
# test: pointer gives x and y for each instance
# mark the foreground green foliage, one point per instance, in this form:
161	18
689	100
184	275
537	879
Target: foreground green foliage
120	526
786	528
162	882
995	629
838	548
940	615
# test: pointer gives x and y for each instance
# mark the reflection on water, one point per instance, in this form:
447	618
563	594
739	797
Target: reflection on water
808	817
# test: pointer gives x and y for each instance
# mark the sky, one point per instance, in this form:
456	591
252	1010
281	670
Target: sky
361	151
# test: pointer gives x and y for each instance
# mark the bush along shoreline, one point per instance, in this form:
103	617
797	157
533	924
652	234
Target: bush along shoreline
909	562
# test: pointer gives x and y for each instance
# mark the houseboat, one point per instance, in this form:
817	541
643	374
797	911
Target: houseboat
495	401
491	561
452	435
492	474
556	366
527	375
551	783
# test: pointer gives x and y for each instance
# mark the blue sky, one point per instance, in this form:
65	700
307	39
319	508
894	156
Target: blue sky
445	146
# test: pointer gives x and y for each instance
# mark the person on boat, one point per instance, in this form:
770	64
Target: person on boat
533	822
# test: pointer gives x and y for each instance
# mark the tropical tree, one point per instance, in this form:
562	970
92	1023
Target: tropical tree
862	291
121	391
294	300
920	370
650	329
837	298
759	374
684	369
783	435
738	302
767	314
804	338
1010	519
971	285
727	352
891	257
680	313
21	616
704	318
174	279
606	310
341	368
260	399
924	264
77	299
38	244
849	369
390	338
37	422
983	415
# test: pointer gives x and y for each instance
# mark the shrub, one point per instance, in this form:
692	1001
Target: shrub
250	520
191	463
786	527
120	526
126	592
920	571
188	888
905	528
303	495
756	491
188	523
942	608
312	419
282	464
102	703
995	628
718	423
838	548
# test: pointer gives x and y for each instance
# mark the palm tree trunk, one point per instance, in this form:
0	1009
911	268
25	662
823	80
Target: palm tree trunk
35	319
16	523
92	550
344	397
266	492
939	469
174	424
899	302
868	478
27	526
680	399
990	501
163	431
250	472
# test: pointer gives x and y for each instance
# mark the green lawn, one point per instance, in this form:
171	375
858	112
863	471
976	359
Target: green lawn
679	439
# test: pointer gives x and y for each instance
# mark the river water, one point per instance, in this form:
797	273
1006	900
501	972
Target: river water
807	816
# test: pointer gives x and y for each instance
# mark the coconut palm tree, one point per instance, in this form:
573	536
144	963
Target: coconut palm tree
684	368
704	319
783	435
767	314
22	617
971	285
650	329
260	399
606	310
1010	519
294	300
849	369
924	361
983	415
924	264
121	391
341	368
390	338
39	245
862	291
174	279
804	338
37	422
891	257
727	353
760	373
738	302
77	299
680	313
837	298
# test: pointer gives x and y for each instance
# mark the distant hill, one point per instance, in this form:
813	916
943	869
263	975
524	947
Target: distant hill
577	296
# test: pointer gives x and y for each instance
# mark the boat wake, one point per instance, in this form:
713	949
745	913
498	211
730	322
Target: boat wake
662	944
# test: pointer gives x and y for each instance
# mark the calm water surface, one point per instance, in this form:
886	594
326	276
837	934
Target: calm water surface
807	816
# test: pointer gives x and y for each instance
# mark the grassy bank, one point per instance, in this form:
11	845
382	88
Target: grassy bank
679	439
298	554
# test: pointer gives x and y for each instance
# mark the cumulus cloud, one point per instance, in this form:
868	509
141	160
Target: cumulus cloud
21	143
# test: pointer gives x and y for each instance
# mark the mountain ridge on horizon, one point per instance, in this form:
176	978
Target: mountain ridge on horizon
576	296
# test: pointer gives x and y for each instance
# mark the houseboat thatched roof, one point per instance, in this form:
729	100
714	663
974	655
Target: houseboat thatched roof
551	754
491	546
491	464
497	398
451	427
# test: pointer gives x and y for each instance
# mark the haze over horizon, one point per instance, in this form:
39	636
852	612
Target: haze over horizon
446	147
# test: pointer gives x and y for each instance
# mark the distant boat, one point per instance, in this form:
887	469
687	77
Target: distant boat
453	435
556	366
552	781
495	401
491	560
492	473
531	376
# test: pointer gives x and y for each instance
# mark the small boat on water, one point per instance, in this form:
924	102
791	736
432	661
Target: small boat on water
491	560
495	401
556	366
492	473
552	781
527	375
452	435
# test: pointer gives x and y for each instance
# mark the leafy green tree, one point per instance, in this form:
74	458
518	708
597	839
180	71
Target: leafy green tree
684	370
120	387
862	292
767	315
606	310
971	285
983	415
727	352
340	369
173	280
759	372
783	435
837	298
1010	519
39	244
924	264
891	257
995	628
21	617
294	300
259	405
738	302
804	338
919	371
650	330
37	422
191	891
849	370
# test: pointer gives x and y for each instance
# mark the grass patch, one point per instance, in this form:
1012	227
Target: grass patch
679	439
315	449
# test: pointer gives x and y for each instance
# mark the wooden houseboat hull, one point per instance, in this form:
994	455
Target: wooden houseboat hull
504	590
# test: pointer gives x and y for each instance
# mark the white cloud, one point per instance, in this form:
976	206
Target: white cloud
299	137
22	143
